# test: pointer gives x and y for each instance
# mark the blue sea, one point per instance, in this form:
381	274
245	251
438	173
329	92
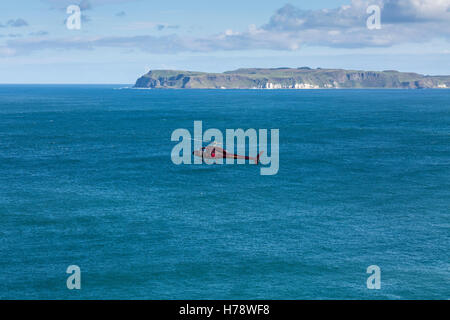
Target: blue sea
86	179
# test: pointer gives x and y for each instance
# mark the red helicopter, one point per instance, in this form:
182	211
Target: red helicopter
215	152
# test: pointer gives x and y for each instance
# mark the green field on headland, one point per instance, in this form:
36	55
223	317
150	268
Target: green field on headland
290	78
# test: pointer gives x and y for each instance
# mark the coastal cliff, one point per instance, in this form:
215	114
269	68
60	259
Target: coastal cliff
289	78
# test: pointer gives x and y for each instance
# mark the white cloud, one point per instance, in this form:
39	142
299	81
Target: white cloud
403	21
15	23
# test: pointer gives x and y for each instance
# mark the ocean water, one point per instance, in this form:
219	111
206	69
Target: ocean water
86	179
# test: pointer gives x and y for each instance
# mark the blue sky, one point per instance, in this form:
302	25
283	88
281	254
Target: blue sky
119	40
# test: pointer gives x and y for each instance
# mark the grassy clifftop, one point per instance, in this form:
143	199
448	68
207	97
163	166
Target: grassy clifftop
289	78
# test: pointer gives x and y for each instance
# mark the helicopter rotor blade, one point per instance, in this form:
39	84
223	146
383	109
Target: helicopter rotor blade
214	142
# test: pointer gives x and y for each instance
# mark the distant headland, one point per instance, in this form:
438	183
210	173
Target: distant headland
290	78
